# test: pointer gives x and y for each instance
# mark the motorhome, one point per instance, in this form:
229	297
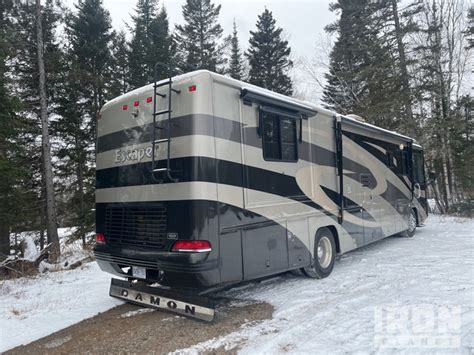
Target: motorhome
204	181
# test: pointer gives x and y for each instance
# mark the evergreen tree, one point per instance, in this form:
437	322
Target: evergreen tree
26	75
198	40
236	67
268	56
150	43
121	69
86	85
11	169
360	79
470	29
462	134
90	35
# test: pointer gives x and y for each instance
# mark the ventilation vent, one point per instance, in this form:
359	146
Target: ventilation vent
141	227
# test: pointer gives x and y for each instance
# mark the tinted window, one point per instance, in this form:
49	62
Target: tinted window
400	165
418	167
279	137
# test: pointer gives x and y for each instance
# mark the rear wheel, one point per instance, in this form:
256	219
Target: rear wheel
324	255
410	232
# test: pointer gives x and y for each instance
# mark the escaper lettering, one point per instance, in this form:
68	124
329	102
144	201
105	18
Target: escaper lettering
189	309
138	296
172	305
124	293
155	301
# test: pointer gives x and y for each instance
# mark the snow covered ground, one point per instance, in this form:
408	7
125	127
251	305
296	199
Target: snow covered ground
31	308
397	294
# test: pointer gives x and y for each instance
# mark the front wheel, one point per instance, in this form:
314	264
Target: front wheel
324	255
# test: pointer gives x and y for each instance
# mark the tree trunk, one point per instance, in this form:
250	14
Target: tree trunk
51	225
404	71
4	240
80	187
444	161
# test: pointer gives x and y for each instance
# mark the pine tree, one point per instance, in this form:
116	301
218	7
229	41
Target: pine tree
395	21
150	43
268	56
27	88
86	85
161	45
121	69
198	40
10	170
360	79
236	67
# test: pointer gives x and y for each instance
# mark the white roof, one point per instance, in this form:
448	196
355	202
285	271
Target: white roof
256	89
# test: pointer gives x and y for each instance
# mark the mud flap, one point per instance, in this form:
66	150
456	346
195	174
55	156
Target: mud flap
188	305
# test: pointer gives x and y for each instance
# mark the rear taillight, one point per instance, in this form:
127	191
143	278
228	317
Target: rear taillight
100	238
192	246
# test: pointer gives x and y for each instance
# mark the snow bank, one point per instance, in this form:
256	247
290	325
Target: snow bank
71	250
31	308
339	314
31	252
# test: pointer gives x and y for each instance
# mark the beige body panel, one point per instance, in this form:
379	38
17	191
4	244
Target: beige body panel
219	97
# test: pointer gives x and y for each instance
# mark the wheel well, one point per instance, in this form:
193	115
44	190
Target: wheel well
336	237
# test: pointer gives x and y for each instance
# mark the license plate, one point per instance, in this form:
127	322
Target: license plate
197	307
139	272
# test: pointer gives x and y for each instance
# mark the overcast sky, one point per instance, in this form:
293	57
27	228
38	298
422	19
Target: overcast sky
303	22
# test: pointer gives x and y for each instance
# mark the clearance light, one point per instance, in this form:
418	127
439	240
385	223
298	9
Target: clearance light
192	246
192	88
125	107
149	99
100	238
136	103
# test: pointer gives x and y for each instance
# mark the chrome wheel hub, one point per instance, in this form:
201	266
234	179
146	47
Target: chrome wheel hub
324	252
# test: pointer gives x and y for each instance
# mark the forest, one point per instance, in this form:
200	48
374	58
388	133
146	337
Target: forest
402	65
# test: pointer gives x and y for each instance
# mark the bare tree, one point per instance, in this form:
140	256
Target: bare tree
441	78
51	225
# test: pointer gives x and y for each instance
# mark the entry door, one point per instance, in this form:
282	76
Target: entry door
371	211
353	221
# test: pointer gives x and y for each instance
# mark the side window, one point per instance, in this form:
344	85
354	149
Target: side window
279	137
418	167
398	161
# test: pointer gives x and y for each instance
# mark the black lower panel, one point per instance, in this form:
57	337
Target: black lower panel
245	245
265	251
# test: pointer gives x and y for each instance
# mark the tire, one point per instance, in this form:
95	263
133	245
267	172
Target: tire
410	232
324	255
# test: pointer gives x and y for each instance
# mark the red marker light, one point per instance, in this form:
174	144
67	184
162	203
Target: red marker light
192	246
125	107
192	88
149	99
100	238
136	103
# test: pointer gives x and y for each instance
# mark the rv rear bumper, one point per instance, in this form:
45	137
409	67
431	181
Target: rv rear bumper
186	270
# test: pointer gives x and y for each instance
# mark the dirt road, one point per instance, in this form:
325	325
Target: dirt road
133	329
